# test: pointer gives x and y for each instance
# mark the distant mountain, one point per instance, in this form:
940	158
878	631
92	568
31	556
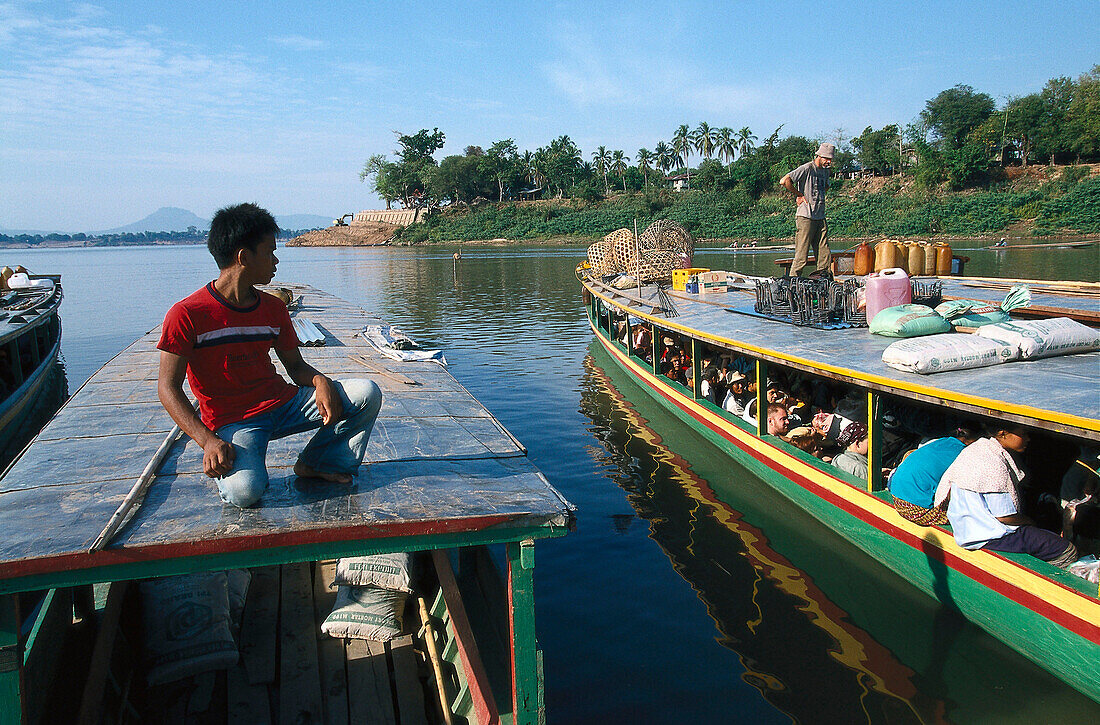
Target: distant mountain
165	219
303	221
31	232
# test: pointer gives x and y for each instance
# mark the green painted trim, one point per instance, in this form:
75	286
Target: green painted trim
655	335
761	398
276	555
696	370
43	610
11	670
521	586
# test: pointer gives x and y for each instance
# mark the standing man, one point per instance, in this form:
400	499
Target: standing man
808	183
221	338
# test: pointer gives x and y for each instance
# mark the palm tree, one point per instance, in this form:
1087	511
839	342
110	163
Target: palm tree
726	146
645	158
618	165
602	158
663	156
703	138
745	140
681	145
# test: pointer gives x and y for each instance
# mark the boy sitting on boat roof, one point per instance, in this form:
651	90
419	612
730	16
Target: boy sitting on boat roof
221	337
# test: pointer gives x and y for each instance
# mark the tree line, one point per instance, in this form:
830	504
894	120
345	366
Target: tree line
192	235
960	139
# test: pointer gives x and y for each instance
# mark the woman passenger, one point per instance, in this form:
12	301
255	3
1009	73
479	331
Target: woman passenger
913	483
982	490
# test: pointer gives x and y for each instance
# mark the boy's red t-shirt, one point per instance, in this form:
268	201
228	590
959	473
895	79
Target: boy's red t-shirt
228	355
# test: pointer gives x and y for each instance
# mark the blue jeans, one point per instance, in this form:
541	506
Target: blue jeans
335	448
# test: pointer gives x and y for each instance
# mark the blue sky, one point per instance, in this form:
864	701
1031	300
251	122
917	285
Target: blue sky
110	111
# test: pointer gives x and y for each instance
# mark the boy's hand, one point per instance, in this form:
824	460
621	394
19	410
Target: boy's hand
217	457
328	401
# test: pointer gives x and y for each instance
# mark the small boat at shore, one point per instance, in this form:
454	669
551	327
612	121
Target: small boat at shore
1049	245
30	341
1047	614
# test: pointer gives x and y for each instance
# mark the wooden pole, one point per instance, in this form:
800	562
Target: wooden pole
398	377
137	491
433	655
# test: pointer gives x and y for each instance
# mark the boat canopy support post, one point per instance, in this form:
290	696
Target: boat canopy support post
761	398
696	372
521	621
874	442
655	337
11	662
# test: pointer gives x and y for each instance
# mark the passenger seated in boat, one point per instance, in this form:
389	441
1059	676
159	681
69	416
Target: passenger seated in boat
778	420
709	386
799	406
642	342
853	459
982	490
1081	496
675	367
221	338
739	391
913	483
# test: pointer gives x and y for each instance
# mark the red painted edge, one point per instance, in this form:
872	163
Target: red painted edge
206	547
476	679
1087	630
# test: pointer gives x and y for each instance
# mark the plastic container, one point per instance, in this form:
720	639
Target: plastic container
943	259
885	255
680	276
916	259
888	288
864	261
929	258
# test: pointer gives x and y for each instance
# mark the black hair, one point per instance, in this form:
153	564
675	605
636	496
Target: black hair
992	427
238	227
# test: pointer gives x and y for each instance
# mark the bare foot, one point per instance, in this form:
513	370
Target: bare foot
303	471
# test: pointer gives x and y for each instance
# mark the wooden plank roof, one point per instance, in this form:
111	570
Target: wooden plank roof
438	462
1058	393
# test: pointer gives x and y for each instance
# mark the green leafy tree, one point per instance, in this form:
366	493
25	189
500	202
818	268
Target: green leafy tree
385	178
501	163
955	112
879	150
745	140
645	161
618	165
1053	135
665	157
726	147
1083	115
602	158
681	146
703	138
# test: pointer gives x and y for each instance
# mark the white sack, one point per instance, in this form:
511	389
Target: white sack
366	613
186	626
388	571
1045	338
948	351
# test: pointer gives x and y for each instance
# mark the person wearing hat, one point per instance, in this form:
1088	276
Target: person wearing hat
808	184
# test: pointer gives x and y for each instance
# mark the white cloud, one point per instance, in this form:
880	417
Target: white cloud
298	42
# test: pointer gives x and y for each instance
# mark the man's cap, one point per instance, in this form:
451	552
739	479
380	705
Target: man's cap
826	150
735	376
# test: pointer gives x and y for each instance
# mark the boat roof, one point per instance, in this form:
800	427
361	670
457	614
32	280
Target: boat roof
440	471
1058	393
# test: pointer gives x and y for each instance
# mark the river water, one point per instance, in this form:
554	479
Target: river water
689	591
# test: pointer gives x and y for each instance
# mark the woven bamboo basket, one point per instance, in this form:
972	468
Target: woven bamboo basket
655	264
625	246
668	235
601	257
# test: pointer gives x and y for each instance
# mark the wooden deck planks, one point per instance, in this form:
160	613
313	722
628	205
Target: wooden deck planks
407	682
299	676
334	683
259	625
369	696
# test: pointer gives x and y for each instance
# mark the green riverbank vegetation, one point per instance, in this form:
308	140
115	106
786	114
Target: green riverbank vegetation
963	167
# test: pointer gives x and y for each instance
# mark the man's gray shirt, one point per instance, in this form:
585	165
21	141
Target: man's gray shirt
811	182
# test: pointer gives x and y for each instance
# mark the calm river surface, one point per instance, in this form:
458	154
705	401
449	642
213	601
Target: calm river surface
690	592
